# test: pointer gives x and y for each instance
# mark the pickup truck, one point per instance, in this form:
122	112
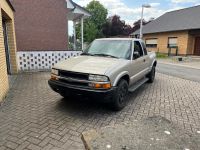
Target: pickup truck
107	70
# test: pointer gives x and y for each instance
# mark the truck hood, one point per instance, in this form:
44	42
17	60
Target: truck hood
89	64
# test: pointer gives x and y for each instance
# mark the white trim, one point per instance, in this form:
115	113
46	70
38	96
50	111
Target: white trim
69	4
76	12
79	10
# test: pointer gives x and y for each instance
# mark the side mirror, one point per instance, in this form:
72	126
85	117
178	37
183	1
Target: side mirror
136	55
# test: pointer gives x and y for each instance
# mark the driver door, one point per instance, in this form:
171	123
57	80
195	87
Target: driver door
137	63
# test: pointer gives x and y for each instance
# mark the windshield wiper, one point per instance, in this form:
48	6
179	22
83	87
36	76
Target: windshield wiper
106	55
88	54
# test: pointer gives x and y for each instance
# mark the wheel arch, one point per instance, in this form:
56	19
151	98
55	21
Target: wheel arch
123	75
154	63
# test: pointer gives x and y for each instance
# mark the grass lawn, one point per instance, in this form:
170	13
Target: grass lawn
160	55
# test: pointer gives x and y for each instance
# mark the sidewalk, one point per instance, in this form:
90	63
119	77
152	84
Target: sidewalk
189	64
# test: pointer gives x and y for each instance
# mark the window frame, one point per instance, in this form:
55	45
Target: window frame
133	47
144	48
152	45
168	44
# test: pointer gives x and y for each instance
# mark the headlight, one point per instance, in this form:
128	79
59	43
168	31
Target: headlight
98	78
54	71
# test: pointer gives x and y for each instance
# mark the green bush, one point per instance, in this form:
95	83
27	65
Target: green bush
160	55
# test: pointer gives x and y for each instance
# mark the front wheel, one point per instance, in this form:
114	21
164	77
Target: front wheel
120	97
66	95
151	75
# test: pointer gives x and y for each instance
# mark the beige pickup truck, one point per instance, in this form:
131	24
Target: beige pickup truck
107	70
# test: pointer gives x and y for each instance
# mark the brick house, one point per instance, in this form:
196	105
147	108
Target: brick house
42	31
8	62
178	29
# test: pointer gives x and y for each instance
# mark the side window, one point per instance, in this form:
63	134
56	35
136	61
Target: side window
144	48
138	48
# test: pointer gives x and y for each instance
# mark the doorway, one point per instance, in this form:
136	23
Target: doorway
7	52
197	46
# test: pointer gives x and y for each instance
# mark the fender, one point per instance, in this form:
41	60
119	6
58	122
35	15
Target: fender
119	77
153	62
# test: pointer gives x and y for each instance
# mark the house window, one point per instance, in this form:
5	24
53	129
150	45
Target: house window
151	43
172	42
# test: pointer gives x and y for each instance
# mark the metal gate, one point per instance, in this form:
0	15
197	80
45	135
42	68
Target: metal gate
7	52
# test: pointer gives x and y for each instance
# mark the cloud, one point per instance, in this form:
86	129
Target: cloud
130	15
155	4
184	1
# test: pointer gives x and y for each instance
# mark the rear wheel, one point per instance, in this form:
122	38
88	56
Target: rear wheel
151	75
120	97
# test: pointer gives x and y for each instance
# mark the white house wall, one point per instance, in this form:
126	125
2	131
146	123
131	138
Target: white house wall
42	60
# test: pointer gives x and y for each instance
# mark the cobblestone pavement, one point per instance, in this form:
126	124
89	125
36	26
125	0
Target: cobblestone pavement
34	117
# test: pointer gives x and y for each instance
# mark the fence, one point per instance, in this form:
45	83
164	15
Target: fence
42	60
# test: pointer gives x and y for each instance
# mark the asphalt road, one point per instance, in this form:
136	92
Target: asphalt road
179	71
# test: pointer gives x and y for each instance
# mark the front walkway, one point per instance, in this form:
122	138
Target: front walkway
34	117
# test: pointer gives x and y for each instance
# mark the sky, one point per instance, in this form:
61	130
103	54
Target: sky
130	10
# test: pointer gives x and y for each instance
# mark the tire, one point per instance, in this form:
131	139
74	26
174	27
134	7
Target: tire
151	75
120	96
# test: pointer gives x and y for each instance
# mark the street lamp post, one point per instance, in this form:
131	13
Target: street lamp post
141	21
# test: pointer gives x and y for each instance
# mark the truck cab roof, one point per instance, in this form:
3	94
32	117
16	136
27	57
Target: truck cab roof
120	39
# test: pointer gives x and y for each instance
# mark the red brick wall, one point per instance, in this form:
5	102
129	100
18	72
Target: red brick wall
41	24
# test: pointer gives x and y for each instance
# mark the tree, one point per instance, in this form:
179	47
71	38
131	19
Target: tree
115	26
127	30
107	28
136	24
98	13
90	31
93	25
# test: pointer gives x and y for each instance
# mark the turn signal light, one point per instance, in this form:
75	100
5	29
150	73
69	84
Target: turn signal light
54	77
101	86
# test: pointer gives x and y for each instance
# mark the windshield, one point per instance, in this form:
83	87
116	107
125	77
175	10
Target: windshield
110	48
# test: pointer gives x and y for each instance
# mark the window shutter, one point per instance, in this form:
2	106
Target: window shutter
151	41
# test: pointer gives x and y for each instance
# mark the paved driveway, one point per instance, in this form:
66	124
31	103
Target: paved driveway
179	71
34	117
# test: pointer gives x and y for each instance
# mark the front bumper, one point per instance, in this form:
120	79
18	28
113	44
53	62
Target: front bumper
102	95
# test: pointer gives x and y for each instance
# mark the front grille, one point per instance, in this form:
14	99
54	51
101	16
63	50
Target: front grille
74	75
74	83
66	75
